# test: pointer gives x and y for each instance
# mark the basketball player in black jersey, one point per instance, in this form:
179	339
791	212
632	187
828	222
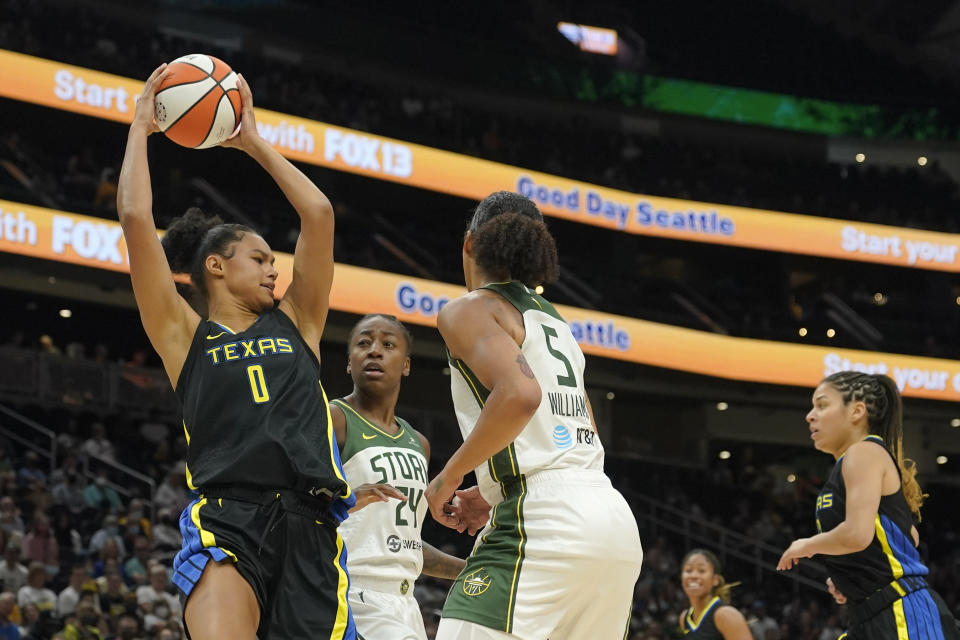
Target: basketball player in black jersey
710	616
865	514
261	449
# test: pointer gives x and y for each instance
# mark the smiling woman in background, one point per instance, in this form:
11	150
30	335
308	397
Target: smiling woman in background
710	616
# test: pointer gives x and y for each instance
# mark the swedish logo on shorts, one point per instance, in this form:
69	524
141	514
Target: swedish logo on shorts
476	582
561	437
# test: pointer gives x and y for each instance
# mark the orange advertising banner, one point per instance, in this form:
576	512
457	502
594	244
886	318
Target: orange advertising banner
67	237
80	90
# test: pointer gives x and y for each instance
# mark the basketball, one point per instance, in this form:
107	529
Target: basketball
198	104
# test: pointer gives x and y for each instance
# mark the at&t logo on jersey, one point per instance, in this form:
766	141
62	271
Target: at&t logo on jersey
561	437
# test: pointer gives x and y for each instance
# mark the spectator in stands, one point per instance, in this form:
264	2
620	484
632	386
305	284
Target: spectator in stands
831	629
67	491
110	531
108	561
75	350
30	473
158	604
70	463
100	495
68	538
97	445
10	520
29	617
134	366
115	597
70	596
661	559
154	430
128	628
134	523
8	630
39	545
166	535
36	591
172	494
87	624
161	458
761	623
136	567
13	574
47	346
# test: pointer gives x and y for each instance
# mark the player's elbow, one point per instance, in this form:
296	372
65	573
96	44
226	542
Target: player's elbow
859	538
319	209
526	397
131	214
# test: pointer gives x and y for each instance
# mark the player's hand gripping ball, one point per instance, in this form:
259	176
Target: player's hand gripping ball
198	103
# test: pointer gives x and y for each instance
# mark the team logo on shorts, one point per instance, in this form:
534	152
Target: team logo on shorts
476	582
404	587
561	437
393	543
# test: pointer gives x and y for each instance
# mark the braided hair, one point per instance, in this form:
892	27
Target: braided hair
881	397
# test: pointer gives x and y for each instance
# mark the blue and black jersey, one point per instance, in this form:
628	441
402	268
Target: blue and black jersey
255	413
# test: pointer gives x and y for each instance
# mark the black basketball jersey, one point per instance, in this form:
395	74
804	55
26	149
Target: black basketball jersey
891	554
254	410
705	628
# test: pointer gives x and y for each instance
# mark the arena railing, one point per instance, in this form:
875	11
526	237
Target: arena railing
44	442
28	375
727	543
124	489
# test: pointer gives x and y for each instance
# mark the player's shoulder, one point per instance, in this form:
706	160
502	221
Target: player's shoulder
337	415
422	439
478	300
867	451
460	318
727	612
726	616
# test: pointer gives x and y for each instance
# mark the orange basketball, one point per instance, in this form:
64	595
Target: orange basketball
198	104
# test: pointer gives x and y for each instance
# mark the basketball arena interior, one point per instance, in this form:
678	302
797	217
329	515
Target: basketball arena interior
746	198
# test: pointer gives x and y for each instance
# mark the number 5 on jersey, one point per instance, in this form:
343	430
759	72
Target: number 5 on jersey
568	380
258	384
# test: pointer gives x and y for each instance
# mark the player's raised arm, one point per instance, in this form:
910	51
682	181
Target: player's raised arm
167	318
308	298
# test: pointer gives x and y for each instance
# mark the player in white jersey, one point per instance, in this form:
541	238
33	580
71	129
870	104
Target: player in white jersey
561	553
385	551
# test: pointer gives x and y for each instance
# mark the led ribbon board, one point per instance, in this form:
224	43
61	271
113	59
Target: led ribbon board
94	242
102	95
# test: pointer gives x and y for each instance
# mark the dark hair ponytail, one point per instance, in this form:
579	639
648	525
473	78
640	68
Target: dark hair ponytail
511	240
723	589
881	397
194	236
